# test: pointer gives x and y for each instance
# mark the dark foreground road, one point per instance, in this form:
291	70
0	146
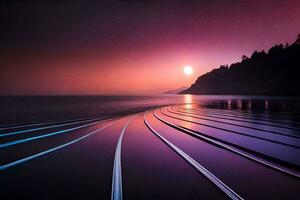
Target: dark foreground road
175	152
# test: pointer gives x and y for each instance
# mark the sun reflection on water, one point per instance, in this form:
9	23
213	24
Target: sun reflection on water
188	100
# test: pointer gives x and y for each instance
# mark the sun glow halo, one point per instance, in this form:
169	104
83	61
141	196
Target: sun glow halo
188	70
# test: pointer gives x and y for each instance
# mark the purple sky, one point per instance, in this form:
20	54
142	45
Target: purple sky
132	47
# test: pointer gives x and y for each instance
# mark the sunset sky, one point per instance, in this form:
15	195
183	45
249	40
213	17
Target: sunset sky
132	47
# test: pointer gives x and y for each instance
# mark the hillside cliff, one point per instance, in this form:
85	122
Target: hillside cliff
271	73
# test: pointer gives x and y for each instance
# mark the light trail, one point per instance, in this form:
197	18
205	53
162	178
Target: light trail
116	193
217	182
46	127
7	144
26	159
230	148
231	131
229	123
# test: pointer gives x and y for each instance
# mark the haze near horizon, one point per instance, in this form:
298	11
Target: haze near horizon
131	47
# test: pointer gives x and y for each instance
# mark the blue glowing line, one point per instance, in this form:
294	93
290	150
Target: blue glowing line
43	128
17	162
45	135
37	124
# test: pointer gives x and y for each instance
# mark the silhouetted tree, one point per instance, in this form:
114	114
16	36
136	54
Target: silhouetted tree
254	54
276	49
298	39
244	57
275	73
286	45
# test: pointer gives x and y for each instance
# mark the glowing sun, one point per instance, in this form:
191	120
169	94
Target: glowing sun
187	70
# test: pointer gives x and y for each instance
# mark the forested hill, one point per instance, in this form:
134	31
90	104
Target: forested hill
271	73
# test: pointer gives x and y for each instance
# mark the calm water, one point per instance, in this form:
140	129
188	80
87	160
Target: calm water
230	136
22	109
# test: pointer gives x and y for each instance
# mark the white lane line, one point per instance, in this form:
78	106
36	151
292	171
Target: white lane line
225	121
222	186
232	149
231	131
116	192
271	123
26	159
